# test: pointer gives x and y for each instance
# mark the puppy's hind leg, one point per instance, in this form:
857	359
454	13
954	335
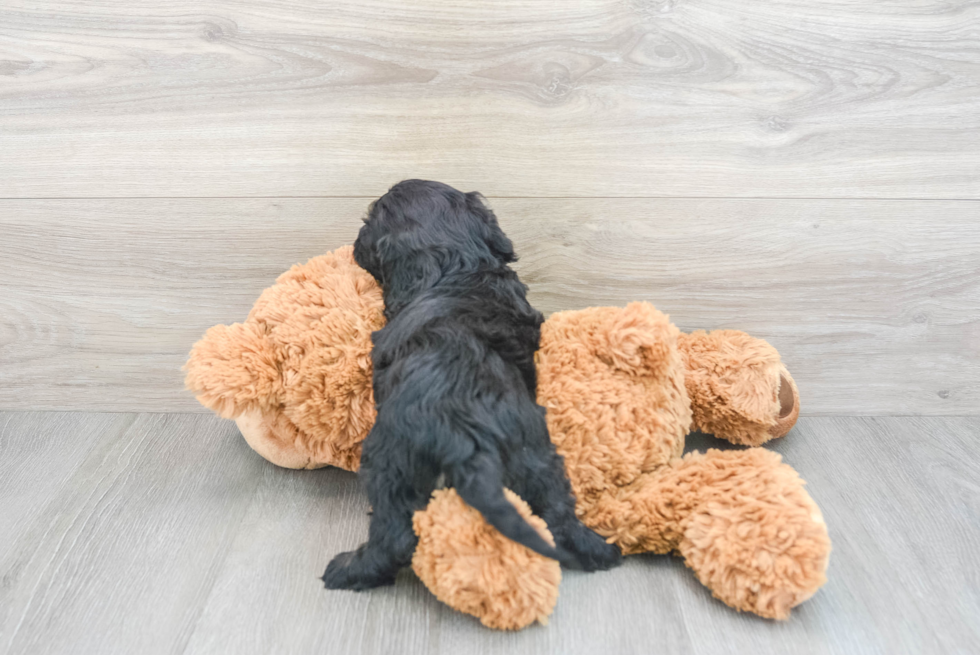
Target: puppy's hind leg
391	540
549	493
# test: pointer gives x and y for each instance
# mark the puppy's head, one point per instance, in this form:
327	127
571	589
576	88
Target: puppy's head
427	229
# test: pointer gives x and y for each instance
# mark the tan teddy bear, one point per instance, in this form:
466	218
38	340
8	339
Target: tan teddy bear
622	388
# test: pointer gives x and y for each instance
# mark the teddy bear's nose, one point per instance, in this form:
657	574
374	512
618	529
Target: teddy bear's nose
786	400
789	407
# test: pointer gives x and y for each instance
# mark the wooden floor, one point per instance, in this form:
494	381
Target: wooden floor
164	533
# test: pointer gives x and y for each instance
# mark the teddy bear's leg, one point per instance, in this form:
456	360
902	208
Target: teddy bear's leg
741	520
760	545
739	388
474	569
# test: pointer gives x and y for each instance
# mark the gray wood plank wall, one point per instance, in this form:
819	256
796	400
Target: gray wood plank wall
807	172
874	305
788	98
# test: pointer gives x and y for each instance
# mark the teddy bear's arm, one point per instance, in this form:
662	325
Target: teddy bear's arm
234	369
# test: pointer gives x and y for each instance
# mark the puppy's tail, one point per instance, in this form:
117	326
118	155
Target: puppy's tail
479	483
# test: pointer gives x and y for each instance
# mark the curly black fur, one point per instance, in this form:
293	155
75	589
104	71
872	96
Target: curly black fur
454	383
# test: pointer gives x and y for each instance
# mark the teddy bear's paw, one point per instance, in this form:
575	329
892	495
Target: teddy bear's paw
789	405
474	569
762	547
739	388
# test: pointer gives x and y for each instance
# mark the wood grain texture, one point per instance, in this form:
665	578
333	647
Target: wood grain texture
37	467
875	305
165	534
122	558
518	98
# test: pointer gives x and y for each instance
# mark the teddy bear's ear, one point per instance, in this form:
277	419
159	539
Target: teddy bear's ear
641	341
233	369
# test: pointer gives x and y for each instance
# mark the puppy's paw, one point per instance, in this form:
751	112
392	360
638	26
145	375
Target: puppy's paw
350	571
592	551
604	557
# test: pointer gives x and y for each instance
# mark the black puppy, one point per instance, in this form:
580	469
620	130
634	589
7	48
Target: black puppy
454	383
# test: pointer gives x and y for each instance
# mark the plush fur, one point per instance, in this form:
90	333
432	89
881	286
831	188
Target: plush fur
739	386
613	381
621	386
470	566
296	375
454	385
